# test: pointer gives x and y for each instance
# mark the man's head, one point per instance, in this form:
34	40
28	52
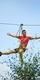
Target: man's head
24	32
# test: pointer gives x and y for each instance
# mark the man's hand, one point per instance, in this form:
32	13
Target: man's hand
8	34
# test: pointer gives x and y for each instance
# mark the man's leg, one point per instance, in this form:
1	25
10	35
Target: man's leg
19	50
9	52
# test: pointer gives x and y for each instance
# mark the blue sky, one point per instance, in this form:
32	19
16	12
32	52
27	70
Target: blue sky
17	12
23	11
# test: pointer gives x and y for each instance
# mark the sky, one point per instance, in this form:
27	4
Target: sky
17	12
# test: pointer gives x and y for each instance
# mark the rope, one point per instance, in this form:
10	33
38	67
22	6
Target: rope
9	24
20	24
20	29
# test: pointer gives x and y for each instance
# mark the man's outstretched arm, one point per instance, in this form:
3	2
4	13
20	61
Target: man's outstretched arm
9	34
34	38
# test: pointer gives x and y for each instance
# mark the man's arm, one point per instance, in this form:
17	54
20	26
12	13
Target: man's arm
9	34
35	38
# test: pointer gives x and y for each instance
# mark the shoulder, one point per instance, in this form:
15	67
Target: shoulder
29	37
20	37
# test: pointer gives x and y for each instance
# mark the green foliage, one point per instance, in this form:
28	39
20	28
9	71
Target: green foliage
27	70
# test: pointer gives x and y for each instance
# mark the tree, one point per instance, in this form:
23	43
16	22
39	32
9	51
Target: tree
27	71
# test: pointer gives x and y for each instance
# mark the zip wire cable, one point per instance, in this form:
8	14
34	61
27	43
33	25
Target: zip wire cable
19	24
9	24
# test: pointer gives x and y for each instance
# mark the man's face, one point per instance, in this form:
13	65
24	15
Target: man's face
24	33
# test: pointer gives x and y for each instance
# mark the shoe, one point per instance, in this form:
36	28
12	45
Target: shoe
0	53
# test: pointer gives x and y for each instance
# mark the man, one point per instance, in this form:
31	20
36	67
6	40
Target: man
24	39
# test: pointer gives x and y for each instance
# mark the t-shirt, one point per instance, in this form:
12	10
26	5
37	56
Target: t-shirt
24	40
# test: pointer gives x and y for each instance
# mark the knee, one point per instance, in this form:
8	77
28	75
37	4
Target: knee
16	50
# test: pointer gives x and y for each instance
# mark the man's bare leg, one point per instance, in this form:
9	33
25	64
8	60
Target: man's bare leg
17	50
8	52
